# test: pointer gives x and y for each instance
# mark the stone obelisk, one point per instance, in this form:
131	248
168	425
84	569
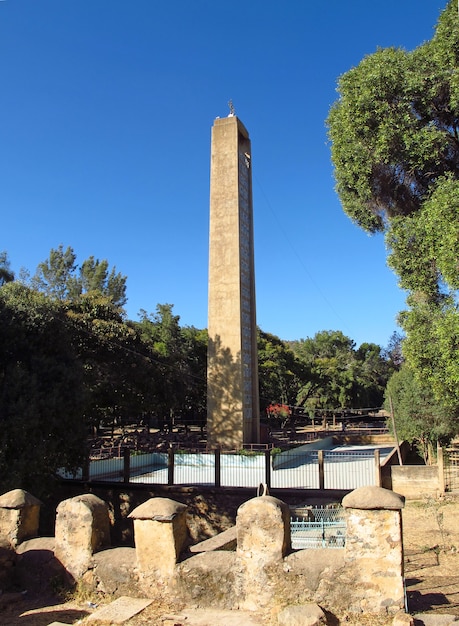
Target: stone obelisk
233	416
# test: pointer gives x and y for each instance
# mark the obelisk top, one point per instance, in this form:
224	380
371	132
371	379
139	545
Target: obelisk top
232	119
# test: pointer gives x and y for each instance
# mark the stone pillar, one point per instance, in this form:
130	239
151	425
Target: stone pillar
263	530
263	539
82	528
374	549
233	416
19	517
160	533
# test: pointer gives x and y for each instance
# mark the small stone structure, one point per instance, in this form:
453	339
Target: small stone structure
19	517
263	540
261	574
374	549
263	530
160	532
82	528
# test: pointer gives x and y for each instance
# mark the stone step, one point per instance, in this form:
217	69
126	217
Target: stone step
118	611
223	541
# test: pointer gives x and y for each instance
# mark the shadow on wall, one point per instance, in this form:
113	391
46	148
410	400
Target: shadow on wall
224	397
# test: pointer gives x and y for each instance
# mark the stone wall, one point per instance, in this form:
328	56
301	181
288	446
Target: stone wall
263	571
416	481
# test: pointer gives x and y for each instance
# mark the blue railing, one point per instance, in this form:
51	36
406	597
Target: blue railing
313	527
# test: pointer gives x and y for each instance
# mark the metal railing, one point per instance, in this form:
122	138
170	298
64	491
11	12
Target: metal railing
318	527
292	469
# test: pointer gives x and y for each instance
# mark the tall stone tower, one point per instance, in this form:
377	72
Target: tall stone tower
232	366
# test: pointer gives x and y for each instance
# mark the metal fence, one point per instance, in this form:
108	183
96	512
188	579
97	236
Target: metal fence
316	469
318	527
451	469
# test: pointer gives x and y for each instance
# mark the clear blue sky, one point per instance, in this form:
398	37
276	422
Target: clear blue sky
106	113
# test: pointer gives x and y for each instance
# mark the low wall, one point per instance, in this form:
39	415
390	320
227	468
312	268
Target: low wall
390	462
363	439
286	459
415	481
262	574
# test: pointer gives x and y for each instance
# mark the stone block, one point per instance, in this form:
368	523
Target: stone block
225	540
263	530
160	534
374	548
402	619
19	517
119	611
82	528
113	572
302	615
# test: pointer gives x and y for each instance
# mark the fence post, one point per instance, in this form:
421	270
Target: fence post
441	469
126	465
320	458
268	468
377	468
170	466
217	456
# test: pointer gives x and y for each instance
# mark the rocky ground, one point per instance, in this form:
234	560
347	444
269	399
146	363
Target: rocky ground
431	542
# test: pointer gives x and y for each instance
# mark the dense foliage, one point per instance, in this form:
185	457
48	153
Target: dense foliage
60	277
339	375
395	148
420	419
41	390
70	362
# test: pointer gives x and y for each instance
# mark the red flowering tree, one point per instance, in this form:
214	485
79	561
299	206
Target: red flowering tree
278	412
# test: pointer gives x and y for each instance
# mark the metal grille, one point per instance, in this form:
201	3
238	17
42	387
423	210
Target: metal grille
451	461
318	528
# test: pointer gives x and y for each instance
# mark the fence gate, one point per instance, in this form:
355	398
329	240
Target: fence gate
451	469
318	527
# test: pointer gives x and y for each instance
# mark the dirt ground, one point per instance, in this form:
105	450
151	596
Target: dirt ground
431	545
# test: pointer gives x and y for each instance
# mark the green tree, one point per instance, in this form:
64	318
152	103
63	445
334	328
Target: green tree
6	274
118	370
95	276
395	148
431	346
393	351
394	127
41	391
373	370
339	375
195	348
56	276
280	373
329	355
161	331
60	277
419	418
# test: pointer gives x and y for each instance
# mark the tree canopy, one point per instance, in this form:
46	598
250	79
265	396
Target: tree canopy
41	391
394	132
280	373
419	418
71	361
394	128
338	374
60	277
6	274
